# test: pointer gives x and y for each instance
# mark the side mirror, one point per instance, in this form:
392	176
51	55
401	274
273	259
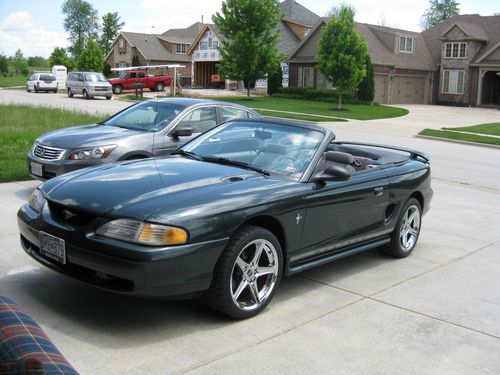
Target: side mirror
186	132
333	173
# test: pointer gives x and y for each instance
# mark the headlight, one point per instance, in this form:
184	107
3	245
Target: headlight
144	233
99	152
37	200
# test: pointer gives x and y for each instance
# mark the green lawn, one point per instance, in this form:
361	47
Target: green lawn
492	129
461	136
18	80
353	111
20	125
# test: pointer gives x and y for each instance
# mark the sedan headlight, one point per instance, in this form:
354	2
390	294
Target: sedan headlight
99	152
143	233
37	200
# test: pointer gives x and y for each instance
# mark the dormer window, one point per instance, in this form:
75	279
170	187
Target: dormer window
121	43
405	44
455	50
181	48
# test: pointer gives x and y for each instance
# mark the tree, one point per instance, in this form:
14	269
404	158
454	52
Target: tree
59	57
274	81
4	63
438	11
342	53
81	24
111	26
37	61
19	62
366	89
136	61
250	49
91	58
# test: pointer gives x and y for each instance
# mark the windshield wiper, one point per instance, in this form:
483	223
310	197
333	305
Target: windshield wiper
188	154
214	159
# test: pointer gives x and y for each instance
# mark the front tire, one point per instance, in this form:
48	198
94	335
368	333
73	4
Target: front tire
159	86
85	95
405	235
247	274
70	93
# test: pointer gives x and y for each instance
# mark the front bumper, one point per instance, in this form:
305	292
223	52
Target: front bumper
53	168
121	266
93	91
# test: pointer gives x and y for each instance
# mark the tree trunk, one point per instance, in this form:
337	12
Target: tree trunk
248	90
339	107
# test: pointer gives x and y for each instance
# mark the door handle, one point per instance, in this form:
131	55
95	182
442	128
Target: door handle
379	190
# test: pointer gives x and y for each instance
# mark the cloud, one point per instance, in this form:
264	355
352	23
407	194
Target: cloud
21	20
32	42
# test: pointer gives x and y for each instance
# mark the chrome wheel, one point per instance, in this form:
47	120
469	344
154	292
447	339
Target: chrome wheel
254	274
410	227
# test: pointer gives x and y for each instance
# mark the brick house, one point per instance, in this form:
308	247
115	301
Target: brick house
454	62
155	49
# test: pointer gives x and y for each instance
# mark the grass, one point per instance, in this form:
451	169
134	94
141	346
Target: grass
294	116
19	127
461	136
18	80
492	128
354	111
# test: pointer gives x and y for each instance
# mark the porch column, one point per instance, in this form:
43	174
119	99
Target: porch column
480	86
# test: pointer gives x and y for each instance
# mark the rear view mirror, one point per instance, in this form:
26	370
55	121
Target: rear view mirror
333	173
263	135
186	132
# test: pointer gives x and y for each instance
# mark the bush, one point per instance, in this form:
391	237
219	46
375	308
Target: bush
275	81
306	93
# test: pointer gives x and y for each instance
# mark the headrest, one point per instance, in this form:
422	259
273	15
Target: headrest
274	148
339	157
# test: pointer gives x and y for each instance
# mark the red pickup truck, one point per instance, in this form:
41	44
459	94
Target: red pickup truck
129	79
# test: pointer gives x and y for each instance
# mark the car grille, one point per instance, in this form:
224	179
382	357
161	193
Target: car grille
70	216
48	153
102	88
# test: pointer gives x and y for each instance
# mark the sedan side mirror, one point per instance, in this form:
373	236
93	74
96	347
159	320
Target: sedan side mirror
186	132
333	173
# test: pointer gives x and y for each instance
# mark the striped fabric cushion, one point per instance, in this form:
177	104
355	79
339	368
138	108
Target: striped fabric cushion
24	346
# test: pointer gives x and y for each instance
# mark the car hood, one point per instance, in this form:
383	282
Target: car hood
83	136
149	188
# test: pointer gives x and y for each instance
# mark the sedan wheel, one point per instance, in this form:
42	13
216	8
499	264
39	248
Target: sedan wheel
405	235
248	273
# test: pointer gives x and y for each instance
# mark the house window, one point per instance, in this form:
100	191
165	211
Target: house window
455	50
203	45
122	65
121	43
453	81
215	44
181	48
306	77
210	40
406	44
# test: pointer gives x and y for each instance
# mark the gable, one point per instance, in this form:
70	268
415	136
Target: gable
455	33
492	56
388	38
206	46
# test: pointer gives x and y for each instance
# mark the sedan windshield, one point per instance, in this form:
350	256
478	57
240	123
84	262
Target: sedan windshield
146	116
277	148
95	77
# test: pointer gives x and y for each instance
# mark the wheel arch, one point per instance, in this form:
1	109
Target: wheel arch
419	197
272	225
135	155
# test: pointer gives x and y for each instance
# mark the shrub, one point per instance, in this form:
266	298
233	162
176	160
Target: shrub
366	89
275	81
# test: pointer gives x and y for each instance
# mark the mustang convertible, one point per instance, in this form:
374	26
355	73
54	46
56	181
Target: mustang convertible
228	213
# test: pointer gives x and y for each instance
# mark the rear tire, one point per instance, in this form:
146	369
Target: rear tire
405	235
247	274
27	89
70	93
159	86
117	89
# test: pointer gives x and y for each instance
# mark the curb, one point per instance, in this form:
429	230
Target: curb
457	141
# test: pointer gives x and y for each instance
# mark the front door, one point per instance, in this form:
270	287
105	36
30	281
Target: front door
345	212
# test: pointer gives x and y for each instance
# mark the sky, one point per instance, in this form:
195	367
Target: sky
36	26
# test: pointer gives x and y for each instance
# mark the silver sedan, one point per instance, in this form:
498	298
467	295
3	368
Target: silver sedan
151	128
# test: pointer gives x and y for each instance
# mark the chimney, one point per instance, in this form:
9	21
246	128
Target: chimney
202	18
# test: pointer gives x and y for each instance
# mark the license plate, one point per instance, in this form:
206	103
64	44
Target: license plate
37	169
52	247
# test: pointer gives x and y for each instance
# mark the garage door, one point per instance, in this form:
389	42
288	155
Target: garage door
408	90
381	88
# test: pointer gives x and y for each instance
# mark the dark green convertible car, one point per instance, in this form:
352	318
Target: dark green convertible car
229	213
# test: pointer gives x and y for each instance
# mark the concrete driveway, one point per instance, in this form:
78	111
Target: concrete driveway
437	311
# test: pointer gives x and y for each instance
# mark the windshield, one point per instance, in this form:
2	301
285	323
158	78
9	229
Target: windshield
278	148
95	77
146	116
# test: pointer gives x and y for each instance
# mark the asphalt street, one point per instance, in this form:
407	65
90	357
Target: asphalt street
435	312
